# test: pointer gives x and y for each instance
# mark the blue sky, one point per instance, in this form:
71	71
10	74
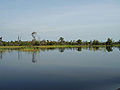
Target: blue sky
72	19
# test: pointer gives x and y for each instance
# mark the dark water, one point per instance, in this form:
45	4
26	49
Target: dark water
60	69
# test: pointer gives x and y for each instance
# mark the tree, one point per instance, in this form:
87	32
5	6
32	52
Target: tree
96	42
61	40
79	41
109	41
0	38
1	41
34	37
90	43
119	42
37	43
43	42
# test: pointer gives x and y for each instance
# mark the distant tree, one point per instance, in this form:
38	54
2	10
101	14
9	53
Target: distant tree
96	42
90	43
19	40
85	43
109	41
119	42
79	41
37	43
50	43
61	40
34	37
43	42
0	38
1	41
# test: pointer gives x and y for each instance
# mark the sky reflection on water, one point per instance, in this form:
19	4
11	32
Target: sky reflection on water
61	69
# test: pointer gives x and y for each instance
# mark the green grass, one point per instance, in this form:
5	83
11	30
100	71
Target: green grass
11	47
36	48
47	46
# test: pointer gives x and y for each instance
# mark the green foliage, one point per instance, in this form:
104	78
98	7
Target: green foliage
109	42
61	41
109	49
37	43
96	42
79	42
43	42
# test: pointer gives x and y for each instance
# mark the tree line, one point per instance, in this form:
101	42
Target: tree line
61	41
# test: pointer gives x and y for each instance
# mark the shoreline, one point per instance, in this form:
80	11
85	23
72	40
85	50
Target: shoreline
43	47
56	46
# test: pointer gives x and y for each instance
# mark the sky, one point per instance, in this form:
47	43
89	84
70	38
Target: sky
51	19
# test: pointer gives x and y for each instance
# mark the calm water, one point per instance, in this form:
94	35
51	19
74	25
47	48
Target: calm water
60	69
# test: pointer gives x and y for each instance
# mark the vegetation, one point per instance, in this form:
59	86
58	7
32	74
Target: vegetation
60	43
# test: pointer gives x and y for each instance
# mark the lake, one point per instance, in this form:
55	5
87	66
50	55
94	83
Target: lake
60	69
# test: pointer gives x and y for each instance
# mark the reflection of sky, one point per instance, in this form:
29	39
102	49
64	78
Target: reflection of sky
71	70
68	58
72	19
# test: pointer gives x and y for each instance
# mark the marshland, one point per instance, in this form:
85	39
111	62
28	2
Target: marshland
59	44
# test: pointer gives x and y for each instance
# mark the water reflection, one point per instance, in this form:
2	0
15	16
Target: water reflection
119	48
91	69
1	54
18	55
61	50
34	60
109	49
79	49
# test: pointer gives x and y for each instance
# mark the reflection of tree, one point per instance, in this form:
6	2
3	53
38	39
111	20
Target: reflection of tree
34	60
90	48
79	49
1	53
109	49
119	48
96	48
61	49
18	55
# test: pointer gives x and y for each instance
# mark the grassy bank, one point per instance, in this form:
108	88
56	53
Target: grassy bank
37	48
53	46
47	46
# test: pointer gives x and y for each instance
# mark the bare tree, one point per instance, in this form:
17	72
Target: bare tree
34	35
0	40
19	38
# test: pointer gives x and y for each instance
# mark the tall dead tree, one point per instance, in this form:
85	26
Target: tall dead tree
19	39
0	40
34	37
